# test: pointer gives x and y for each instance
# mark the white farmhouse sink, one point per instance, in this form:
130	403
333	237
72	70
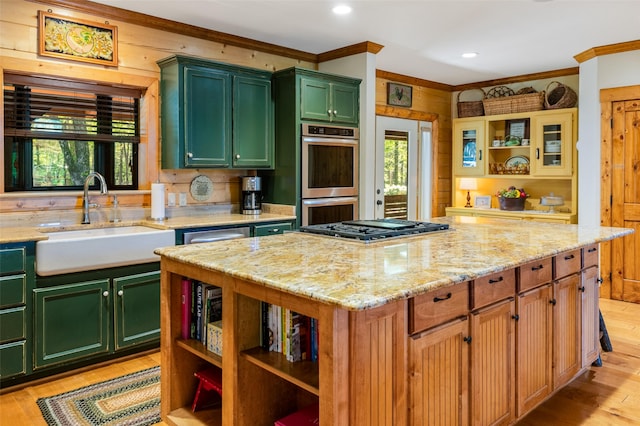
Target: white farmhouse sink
98	248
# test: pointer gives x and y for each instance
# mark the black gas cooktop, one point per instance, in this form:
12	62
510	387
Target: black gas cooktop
376	229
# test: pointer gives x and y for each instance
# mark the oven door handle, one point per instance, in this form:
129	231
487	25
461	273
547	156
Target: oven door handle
329	141
328	201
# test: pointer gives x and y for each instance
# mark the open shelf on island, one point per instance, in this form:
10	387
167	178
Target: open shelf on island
208	416
200	350
303	374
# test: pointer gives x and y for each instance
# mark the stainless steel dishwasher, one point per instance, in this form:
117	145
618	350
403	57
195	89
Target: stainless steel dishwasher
211	235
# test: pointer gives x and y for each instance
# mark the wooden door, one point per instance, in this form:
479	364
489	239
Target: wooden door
625	208
620	195
567	339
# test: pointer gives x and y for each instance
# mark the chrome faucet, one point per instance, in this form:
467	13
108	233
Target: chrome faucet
85	198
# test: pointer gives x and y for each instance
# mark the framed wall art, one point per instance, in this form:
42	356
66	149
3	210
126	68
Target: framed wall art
399	94
77	39
483	202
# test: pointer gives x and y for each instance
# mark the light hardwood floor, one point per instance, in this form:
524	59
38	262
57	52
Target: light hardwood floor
607	395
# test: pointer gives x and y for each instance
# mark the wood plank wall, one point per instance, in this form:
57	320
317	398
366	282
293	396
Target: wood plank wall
139	49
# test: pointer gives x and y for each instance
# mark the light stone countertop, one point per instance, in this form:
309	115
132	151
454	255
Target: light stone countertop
355	276
12	233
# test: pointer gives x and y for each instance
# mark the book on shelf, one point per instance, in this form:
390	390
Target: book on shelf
288	332
307	416
185	330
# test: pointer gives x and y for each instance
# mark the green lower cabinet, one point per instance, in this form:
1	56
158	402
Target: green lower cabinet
13	356
137	309
271	229
72	321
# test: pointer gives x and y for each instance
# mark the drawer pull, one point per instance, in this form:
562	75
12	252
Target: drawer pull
440	299
467	339
537	268
496	281
592	249
553	302
569	257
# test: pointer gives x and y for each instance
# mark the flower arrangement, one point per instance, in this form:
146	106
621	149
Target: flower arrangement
512	192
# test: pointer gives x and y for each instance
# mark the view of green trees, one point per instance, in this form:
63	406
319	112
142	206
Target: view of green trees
395	166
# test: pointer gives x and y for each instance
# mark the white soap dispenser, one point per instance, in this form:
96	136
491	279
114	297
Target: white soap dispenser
115	211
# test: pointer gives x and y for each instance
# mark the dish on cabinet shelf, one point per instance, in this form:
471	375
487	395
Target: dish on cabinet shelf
516	160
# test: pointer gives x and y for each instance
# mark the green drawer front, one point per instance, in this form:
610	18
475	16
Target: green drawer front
12	261
12	290
13	357
264	230
12	324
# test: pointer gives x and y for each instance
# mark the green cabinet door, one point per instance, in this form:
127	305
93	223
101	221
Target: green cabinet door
71	321
323	100
207	115
315	99
253	132
137	309
271	229
345	103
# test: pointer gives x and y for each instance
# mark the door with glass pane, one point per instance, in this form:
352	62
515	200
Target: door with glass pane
403	169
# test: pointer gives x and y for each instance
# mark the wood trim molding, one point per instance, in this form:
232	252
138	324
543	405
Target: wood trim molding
354	49
607	50
135	18
519	79
390	111
414	81
619	94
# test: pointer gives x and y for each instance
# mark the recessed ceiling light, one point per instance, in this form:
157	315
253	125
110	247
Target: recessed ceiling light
341	9
470	55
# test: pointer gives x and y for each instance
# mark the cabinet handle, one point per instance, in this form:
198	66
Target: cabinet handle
600	280
105	293
515	317
467	339
190	154
569	257
274	230
537	268
553	302
537	153
440	299
329	112
581	289
591	250
496	281
120	293
480	155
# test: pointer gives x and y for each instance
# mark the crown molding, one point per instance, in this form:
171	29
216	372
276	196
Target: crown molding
607	50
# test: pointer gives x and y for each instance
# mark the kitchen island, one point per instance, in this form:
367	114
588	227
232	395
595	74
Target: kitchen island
408	328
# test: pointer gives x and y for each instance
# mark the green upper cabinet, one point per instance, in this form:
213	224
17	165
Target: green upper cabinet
325	100
215	115
253	129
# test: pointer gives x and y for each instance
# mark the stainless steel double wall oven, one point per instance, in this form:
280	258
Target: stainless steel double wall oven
329	174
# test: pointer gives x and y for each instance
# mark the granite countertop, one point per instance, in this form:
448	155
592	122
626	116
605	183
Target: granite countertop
355	276
14	234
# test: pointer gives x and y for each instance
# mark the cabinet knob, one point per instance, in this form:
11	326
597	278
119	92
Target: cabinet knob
515	317
329	112
120	293
190	154
467	339
237	156
105	293
335	112
553	302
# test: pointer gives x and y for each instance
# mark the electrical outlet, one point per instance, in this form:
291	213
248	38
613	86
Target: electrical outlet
183	199
171	199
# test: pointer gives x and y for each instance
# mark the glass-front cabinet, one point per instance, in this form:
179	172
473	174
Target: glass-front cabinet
553	145
468	146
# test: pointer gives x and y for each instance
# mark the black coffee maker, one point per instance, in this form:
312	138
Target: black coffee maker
251	195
